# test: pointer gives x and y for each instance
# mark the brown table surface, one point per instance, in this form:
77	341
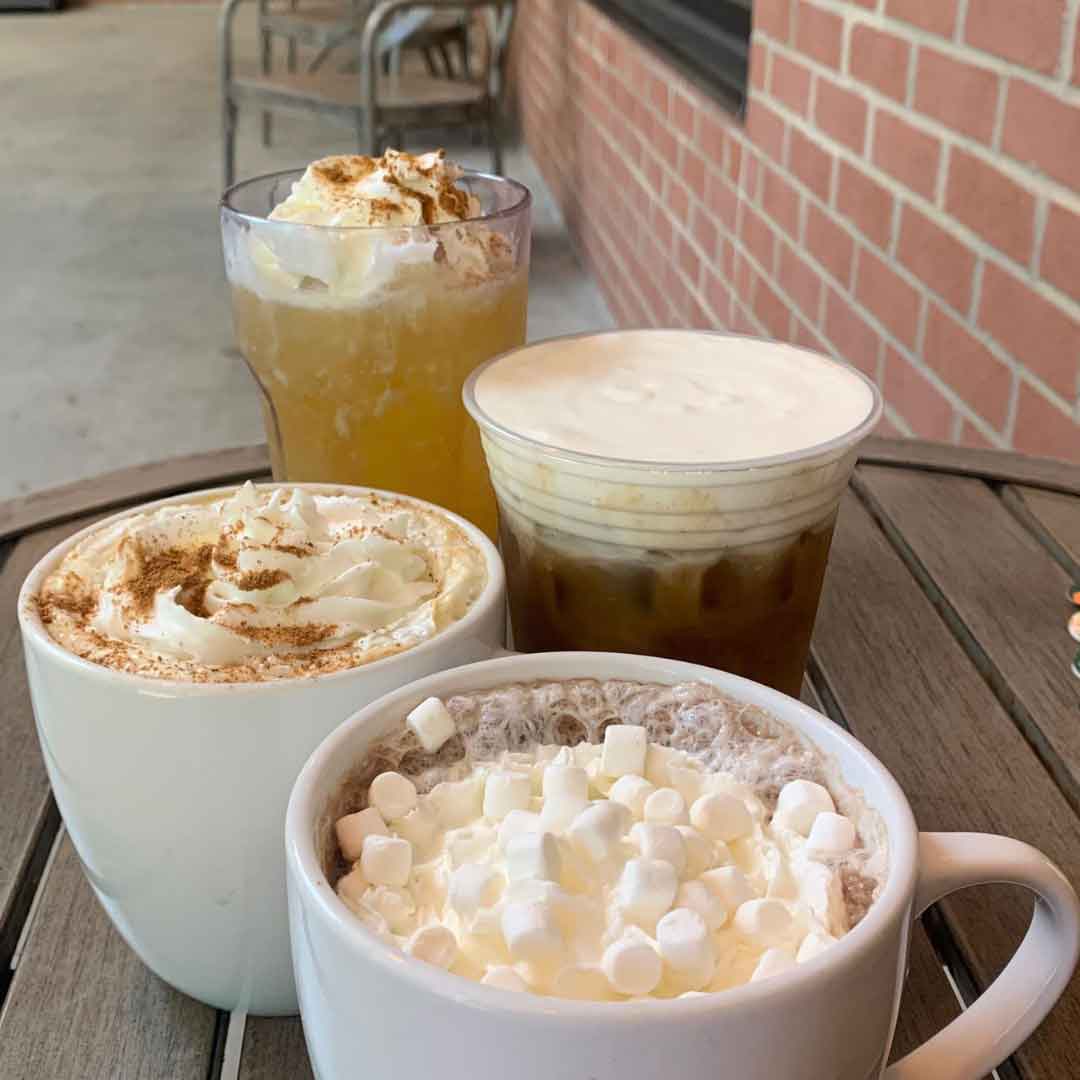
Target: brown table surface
941	644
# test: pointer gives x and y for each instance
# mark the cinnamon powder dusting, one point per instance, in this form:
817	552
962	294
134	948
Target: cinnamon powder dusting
261	579
298	637
161	571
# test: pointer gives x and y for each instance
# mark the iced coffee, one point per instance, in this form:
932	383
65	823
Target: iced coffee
364	291
670	493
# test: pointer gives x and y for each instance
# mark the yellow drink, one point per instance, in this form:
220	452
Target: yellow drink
371	393
361	335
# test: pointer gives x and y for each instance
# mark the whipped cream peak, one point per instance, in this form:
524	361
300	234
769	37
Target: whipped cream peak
397	189
263	583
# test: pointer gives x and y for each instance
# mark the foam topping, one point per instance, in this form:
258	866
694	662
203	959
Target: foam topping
673	396
264	582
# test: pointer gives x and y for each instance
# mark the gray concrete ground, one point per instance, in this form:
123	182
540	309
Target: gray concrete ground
115	340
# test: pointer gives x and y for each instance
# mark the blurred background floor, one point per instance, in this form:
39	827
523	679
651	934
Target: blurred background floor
115	336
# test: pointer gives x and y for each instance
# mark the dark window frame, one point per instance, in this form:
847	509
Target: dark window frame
711	50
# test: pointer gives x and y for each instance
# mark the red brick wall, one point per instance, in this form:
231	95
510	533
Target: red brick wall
903	194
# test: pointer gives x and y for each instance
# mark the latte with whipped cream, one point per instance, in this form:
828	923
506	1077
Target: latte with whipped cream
264	583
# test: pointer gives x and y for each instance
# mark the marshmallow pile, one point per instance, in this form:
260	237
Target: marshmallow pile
599	872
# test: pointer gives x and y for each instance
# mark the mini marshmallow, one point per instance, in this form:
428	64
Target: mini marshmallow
386	860
472	887
767	922
533	855
566	782
772	962
503	977
799	804
392	794
814	944
597	830
660	842
632	964
721	817
729	885
682	937
695	896
646	889
432	724
631	791
558	813
831	833
352	828
352	886
505	791
517	823
665	806
822	891
658	763
434	944
418	826
625	746
700	854
532	934
688	782
395	905
469	844
457	802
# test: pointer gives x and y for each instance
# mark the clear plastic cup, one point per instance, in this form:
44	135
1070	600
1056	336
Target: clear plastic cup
361	337
720	564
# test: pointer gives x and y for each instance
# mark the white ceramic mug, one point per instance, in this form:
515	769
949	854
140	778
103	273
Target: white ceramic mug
174	793
370	1011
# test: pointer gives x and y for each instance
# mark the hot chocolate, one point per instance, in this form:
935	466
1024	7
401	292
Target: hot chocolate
603	840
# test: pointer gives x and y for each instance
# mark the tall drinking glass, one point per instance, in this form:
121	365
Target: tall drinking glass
361	337
716	562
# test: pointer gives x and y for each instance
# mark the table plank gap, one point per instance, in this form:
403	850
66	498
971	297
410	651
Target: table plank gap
139	483
910	692
1053	519
1020	647
82	1003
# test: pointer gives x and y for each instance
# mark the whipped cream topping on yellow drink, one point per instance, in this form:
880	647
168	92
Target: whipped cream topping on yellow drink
382	222
261	584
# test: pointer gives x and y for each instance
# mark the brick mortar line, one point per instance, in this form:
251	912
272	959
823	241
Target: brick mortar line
1068	39
954	47
1016	171
960	231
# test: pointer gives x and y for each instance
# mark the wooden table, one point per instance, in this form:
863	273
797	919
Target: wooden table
941	644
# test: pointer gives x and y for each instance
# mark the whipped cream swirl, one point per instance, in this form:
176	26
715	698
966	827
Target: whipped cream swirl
381	222
265	579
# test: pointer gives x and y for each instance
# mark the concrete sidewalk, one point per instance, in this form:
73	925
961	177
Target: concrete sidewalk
115	339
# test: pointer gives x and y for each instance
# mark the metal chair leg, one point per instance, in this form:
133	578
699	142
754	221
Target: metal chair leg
495	136
228	130
266	63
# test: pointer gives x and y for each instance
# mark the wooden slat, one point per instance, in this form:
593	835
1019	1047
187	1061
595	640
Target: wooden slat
28	819
274	1048
989	464
138	484
1054	518
928	1003
82	1004
1006	590
909	692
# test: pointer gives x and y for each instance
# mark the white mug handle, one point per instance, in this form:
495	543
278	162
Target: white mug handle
1016	1002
